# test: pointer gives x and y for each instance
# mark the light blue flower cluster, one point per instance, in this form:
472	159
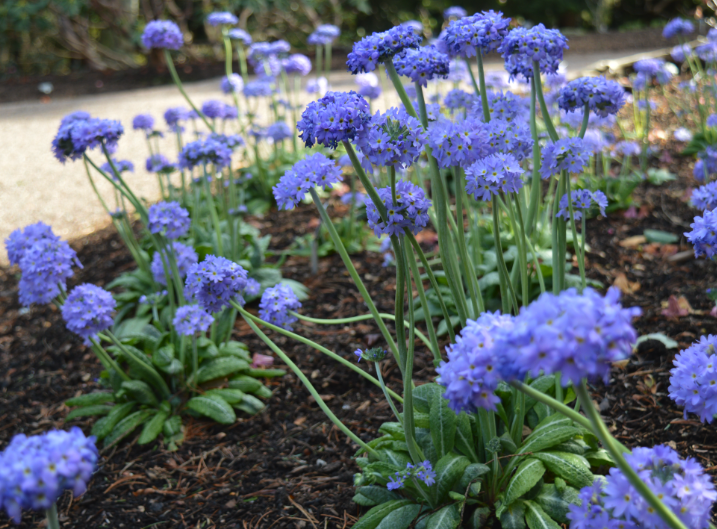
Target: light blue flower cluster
704	234
22	239
471	374
583	200
312	171
705	197
75	136
220	18
567	154
649	70
170	219
215	282
678	27
259	88
393	139
122	166
159	163
460	143
184	255
424	472
680	52
143	122
336	117
191	319
493	174
45	267
457	99
203	152
241	35
233	84
297	64
279	131
88	310
505	106
601	96
483	31
422	64
522	47
275	304
706	164
513	138
324	34
681	484
377	48
37	470
162	34
454	12
410	211
693	380
173	117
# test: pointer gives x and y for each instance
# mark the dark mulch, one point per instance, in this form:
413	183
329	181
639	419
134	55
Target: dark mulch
288	466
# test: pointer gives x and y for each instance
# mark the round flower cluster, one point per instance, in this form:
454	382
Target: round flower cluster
121	166
423	471
173	116
680	52
214	109
705	197
707	52
324	34
45	267
191	319
681	484
706	164
275	304
259	88
393	139
484	31
579	335
158	163
522	47
601	96
232	141
693	381
220	18
169	219
252	288
422	64
458	144
370	91
279	131
712	121
377	48
568	154
38	469
75	137
678	27
184	255
649	69
582	200
513	138
203	152
314	170
625	148
88	310
471	374
415	25
457	99
409	212
505	106
703	235
143	122
493	174
336	117
454	12
162	34
241	35
297	64
233	84
22	239
215	282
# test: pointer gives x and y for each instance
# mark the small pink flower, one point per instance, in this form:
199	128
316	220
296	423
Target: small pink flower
260	361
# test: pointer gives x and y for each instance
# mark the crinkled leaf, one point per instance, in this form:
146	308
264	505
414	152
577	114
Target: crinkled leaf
87	411
213	407
525	478
449	470
447	518
371	495
90	399
572	468
443	423
220	367
152	428
377	514
537	518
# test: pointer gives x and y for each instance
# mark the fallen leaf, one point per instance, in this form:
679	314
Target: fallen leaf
676	307
314	223
633	241
625	286
260	361
300	421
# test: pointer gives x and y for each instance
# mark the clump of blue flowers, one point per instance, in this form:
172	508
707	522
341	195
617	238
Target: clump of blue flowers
170	219
458	144
409	211
215	282
45	267
220	18
493	174
159	163
678	27
162	34
393	139
601	96
203	152
693	380
76	136
312	171
583	200
567	154
275	304
88	310
705	197
191	319
423	471
233	84
184	255
378	48
422	64
483	31
522	47
336	117
22	239
704	234
38	469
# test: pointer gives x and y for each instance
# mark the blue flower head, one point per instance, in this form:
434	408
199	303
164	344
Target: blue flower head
279	131
88	310
583	200
377	48
221	18
678	27
22	239
568	154
493	174
169	219
457	99
704	197
45	267
74	138
233	84
259	88
454	12
240	35
297	64
393	139
122	166
275	304
459	143
203	152
191	319
522	47
143	122
704	234
410	211
158	163
336	117
483	31
601	96
422	64
314	170
162	34
215	282
184	255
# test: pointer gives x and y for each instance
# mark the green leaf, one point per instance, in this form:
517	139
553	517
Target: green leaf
598	458
423	395
513	516
152	428
231	396
265	373
442	329
237	349
244	383
371	495
526	476
449	470
550	434
213	407
126	426
140	391
220	367
464	437
105	425
131	328
400	518
447	518
556	503
164	359
90	399
669	343
394	429
373	517
479	518
172	426
659	176
252	403
443	423
471	474
661	237
537	518
87	411
572	468
542	384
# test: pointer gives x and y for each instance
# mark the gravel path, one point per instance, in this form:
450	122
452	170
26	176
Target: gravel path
34	186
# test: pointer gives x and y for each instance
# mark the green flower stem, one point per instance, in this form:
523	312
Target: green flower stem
310	388
352	271
481	80
586	119
178	82
426	310
522	247
403	96
107	361
242	61
142	211
53	521
536	183
506	287
362	317
543	107
157	381
94	187
434	283
401	277
213	211
195	359
165	246
423	115
617	454
319	61
531	248
558	236
368	186
580	255
473	78
182	351
554	404
316	346
386	394
167	272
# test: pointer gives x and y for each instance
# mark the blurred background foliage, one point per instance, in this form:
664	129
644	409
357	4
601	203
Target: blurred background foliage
59	36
